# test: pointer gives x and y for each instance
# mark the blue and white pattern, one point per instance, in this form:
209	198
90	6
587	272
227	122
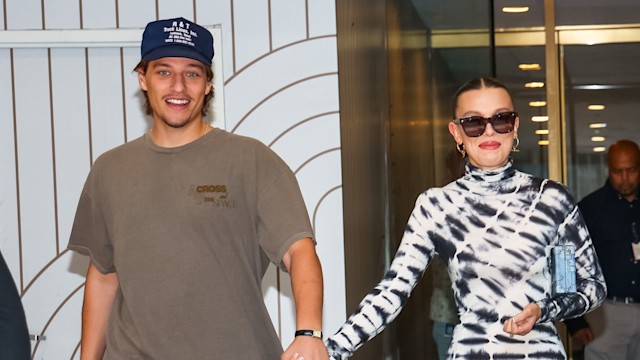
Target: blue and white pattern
495	231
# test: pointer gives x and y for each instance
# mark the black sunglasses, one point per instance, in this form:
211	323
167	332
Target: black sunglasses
474	126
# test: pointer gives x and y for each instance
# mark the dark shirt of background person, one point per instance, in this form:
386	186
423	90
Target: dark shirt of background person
14	336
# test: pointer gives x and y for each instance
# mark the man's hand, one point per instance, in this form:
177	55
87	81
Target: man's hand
523	322
306	348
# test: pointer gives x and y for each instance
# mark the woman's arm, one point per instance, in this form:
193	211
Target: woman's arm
381	306
591	289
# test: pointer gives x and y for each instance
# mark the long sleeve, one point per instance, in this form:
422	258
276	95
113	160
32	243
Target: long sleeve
381	306
591	289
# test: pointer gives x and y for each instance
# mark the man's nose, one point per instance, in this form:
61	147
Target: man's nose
177	83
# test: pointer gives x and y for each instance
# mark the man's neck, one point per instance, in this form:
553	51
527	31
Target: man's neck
166	136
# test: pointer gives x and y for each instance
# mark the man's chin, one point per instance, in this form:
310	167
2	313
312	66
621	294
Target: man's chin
627	191
176	124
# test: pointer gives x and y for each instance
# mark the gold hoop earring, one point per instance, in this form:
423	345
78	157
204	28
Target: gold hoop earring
460	148
516	142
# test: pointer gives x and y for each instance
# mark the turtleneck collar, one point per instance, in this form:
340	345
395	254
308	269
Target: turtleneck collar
476	174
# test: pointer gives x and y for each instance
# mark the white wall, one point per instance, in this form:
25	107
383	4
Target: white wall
63	106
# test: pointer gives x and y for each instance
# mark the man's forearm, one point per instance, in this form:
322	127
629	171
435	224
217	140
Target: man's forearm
307	285
99	294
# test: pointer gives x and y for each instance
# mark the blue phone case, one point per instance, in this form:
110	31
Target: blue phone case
563	267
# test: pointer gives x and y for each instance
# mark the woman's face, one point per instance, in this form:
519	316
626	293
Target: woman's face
490	150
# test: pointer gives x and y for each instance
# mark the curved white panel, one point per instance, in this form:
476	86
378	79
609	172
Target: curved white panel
308	139
276	71
63	332
329	231
286	107
319	176
54	284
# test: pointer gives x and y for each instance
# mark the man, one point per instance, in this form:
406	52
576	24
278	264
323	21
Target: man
181	224
612	214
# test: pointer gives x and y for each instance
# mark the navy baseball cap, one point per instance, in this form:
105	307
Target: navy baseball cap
177	37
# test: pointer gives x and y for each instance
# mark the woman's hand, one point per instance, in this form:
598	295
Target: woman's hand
523	322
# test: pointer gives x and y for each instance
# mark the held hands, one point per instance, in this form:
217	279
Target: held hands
523	322
306	348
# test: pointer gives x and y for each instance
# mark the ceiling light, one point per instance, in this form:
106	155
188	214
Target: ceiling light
534	84
597	138
599	149
515	9
528	67
539	118
597	125
595	107
537	103
543	142
542	132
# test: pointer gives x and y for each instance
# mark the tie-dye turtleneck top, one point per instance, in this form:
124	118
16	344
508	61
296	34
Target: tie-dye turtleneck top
495	230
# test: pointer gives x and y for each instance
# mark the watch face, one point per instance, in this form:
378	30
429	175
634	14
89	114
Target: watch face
317	333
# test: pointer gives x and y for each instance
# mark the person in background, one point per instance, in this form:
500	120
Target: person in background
14	335
443	310
181	224
494	229
612	214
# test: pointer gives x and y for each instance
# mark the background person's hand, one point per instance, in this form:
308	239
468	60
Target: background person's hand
584	336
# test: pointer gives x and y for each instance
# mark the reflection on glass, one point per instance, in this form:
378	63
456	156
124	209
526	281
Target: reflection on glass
592	129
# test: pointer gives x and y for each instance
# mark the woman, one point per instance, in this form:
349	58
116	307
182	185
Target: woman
495	229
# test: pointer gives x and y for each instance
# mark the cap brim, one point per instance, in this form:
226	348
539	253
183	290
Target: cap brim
176	51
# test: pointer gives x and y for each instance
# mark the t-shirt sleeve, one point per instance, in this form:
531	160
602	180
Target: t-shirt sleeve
89	235
282	215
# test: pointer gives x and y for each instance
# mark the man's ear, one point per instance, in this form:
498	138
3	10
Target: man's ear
142	80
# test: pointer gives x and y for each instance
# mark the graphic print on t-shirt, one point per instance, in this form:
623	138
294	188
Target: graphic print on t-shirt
211	194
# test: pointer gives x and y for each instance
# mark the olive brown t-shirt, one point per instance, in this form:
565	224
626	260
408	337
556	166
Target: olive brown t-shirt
190	232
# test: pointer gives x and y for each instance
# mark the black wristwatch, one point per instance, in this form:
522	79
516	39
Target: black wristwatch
314	333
